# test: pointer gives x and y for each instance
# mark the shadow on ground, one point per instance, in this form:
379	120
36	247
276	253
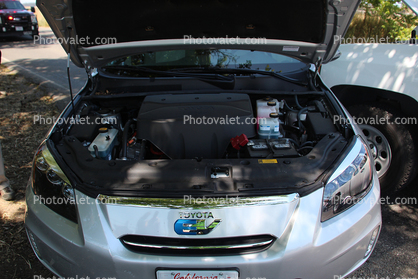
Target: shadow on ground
56	84
45	37
20	101
396	252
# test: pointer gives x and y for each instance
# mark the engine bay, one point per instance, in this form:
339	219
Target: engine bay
241	143
203	126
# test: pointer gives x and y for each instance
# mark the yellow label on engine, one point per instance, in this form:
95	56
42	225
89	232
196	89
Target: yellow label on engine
267	161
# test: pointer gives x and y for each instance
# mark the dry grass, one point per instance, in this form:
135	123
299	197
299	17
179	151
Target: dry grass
41	19
365	27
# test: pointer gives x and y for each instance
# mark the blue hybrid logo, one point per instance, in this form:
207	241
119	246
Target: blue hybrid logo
186	226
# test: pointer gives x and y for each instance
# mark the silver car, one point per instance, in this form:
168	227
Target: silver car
204	145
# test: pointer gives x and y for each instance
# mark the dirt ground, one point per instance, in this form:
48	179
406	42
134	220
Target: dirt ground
395	256
20	101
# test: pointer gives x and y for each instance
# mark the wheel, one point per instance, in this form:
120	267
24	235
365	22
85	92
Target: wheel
36	33
392	144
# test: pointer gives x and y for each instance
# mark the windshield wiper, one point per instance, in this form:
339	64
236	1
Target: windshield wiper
218	80
167	73
240	71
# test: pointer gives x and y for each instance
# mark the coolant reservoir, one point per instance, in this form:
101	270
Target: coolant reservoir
104	141
266	106
268	112
269	128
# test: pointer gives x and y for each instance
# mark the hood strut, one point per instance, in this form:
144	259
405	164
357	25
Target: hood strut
318	65
69	80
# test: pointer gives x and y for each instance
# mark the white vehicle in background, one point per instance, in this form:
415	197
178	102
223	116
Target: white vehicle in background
378	84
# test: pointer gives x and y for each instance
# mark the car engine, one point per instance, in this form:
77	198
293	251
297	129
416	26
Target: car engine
203	126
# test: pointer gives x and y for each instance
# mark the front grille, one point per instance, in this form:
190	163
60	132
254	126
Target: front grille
194	246
19	19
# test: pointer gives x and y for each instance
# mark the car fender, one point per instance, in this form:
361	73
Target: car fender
369	72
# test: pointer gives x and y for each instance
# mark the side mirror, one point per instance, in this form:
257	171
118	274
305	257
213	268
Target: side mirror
32	9
336	56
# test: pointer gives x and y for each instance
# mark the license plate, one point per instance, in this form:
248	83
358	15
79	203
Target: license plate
27	32
197	274
19	28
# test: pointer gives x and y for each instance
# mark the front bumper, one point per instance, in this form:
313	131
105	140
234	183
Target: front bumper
27	30
306	249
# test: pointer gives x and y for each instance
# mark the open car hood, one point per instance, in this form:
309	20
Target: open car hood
307	30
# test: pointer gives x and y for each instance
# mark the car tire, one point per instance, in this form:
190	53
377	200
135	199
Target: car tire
392	144
36	33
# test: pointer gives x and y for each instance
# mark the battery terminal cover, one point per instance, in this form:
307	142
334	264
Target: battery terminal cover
239	141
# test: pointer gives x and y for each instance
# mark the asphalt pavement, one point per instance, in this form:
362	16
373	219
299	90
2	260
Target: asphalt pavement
43	60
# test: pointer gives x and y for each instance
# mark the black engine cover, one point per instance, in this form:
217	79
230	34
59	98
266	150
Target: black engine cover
195	125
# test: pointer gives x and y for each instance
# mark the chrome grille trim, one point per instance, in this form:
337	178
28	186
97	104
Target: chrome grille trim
235	245
238	246
181	203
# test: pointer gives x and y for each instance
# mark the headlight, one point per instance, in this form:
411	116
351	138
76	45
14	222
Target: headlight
349	183
33	19
51	186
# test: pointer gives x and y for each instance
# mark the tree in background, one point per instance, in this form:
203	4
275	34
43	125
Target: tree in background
383	18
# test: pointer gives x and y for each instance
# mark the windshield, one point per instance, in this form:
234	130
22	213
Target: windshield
11	5
213	58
